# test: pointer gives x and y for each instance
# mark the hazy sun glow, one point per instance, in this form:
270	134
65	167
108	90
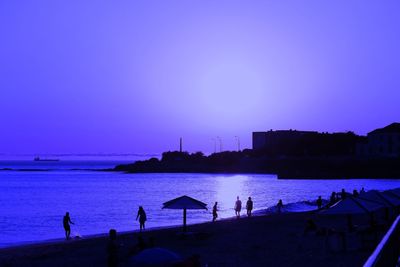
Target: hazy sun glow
228	188
135	76
230	92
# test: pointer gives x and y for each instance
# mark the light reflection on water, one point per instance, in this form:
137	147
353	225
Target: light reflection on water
227	189
32	203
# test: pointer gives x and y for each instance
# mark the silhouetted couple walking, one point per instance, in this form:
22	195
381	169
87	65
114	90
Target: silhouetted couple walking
238	207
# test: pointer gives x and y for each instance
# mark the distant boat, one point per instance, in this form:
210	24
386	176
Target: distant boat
39	159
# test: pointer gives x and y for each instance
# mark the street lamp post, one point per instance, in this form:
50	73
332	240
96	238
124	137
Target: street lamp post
215	145
238	142
220	143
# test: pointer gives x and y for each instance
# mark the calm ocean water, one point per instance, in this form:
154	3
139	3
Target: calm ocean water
32	203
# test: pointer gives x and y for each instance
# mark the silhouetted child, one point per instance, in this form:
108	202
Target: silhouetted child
142	217
279	206
362	190
238	207
319	202
249	206
332	199
355	193
310	226
112	249
343	194
66	224
214	212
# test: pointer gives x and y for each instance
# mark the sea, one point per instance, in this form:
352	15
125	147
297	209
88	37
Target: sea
35	195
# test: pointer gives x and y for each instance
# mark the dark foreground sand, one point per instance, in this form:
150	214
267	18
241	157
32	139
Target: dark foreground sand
271	240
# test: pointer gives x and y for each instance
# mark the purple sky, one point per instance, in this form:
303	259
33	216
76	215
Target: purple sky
134	76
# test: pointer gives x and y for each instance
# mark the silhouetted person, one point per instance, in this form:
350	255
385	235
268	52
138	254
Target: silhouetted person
362	190
279	205
142	217
332	199
355	193
310	226
350	226
66	224
112	249
214	211
249	206
238	207
343	194
319	202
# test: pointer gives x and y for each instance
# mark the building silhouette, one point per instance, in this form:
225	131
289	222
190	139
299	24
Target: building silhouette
304	143
382	143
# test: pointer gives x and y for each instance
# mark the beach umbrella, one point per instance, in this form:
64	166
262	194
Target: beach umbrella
352	205
184	203
384	198
395	192
154	257
394	197
391	195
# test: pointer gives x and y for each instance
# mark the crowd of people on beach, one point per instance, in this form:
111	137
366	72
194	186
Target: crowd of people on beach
113	246
141	214
336	196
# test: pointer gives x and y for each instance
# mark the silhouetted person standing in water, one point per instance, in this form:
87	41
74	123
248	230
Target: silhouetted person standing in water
279	205
67	227
142	217
238	207
249	206
319	202
214	212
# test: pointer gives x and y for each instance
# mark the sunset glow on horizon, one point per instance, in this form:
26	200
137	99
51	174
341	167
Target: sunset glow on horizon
136	76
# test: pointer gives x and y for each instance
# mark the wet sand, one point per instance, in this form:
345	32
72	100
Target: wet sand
270	240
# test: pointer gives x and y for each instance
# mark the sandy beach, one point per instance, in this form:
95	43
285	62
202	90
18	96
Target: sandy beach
269	240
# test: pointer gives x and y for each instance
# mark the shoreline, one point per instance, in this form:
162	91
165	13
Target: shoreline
265	240
256	213
269	211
